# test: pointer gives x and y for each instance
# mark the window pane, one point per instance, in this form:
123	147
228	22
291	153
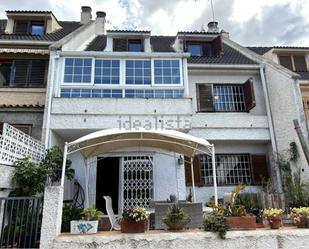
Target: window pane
135	46
77	70
5	73
229	98
37	30
230	169
195	49
138	72
107	72
167	72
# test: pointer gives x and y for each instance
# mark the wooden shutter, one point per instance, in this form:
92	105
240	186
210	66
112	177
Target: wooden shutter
285	60
300	63
204	98
217	46
37	73
20	73
196	171
21	27
249	95
259	169
120	44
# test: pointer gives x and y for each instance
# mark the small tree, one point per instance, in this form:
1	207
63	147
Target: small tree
31	177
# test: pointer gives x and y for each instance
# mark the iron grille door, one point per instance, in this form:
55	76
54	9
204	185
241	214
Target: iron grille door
137	181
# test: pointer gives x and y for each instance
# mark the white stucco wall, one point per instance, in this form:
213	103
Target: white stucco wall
168	175
6	174
259	239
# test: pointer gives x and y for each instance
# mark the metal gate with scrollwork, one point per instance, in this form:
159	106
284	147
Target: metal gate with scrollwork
137	181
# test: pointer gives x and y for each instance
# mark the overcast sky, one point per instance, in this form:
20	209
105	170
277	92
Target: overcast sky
249	22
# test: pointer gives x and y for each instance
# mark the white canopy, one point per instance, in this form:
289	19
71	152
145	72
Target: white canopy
104	141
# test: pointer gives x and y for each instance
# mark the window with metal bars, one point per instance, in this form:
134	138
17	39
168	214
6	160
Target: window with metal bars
229	98
231	169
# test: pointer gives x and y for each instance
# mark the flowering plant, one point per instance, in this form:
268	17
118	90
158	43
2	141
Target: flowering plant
137	214
273	213
297	213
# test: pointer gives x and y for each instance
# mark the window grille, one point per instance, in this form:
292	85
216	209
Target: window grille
229	98
230	169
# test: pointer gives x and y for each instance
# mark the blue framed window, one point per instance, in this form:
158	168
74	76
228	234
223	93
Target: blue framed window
135	46
157	93
90	93
195	49
138	72
167	72
77	70
107	72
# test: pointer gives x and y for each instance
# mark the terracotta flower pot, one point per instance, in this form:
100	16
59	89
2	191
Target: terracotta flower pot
242	222
303	222
176	227
132	227
275	223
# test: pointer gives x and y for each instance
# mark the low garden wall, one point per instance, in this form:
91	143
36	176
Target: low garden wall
259	239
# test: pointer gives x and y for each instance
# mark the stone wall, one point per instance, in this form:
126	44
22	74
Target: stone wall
259	239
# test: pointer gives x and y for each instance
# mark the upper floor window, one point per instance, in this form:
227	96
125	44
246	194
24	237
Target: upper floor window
166	72
23	73
195	49
138	72
204	48
77	70
293	62
29	27
225	97
135	46
107	72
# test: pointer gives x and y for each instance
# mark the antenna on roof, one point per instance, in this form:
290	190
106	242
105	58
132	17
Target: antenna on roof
212	10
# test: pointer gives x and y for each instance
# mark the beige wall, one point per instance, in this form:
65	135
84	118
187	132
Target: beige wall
22	96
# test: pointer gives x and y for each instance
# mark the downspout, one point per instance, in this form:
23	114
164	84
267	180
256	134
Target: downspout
271	126
49	98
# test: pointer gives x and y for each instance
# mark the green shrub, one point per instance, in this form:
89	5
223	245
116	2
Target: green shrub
176	218
70	213
216	223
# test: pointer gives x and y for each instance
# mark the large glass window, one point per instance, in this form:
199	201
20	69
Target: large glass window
107	72
37	29
5	73
166	72
230	169
77	70
229	98
90	93
157	93
138	72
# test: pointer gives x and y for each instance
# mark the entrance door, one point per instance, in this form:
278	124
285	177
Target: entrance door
107	182
137	181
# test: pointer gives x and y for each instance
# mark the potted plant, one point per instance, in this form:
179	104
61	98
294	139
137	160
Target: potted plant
176	219
274	217
236	215
89	224
216	222
300	217
134	220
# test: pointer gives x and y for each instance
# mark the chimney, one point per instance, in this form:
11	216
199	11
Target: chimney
85	15
225	33
213	27
100	23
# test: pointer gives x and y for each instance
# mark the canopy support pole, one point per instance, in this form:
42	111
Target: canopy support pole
65	152
192	178
214	174
86	183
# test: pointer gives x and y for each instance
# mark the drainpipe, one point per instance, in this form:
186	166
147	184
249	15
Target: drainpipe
271	126
50	96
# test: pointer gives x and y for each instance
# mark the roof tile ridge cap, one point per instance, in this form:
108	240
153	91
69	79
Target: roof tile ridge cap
256	57
69	36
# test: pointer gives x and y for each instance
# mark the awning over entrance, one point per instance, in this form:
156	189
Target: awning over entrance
101	142
104	141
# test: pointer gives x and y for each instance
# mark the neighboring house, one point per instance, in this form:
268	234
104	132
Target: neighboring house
201	83
295	59
25	37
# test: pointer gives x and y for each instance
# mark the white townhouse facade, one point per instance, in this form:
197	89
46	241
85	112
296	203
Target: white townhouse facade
200	83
